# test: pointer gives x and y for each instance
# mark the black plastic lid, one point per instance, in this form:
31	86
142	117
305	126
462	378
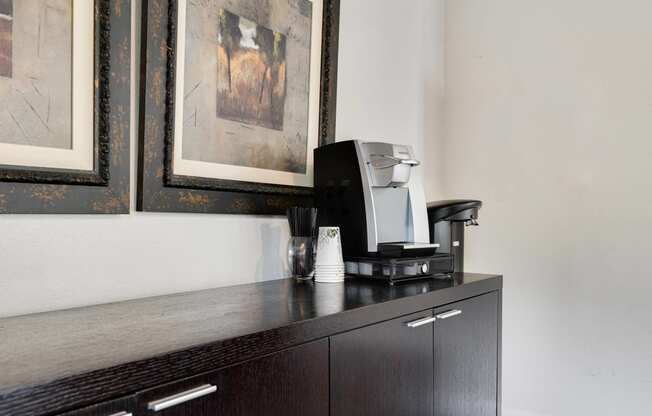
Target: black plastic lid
439	210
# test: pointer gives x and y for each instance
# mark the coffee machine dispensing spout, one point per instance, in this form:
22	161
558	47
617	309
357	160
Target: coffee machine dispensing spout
471	222
446	221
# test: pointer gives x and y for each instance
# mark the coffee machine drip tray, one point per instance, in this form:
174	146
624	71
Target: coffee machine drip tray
400	269
407	250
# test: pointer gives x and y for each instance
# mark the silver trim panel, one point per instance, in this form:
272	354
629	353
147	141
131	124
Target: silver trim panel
372	230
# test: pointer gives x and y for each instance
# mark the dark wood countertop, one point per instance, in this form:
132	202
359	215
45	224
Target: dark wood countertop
66	359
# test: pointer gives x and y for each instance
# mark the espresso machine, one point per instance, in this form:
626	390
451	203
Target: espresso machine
370	191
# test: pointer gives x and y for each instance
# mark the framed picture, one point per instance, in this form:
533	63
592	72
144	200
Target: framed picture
64	106
233	109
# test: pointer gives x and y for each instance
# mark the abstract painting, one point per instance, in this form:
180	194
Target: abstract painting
36	73
236	96
247	90
64	106
251	72
6	20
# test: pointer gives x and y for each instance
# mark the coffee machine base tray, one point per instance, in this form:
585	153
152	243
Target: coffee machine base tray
395	270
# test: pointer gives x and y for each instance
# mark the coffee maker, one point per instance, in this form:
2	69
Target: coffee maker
370	191
447	221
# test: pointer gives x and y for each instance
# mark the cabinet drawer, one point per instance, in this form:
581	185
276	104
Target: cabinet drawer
289	383
120	407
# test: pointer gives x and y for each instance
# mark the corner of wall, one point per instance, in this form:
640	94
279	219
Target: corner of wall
433	93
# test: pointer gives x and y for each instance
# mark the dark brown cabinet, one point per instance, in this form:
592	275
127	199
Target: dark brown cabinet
384	369
289	383
443	366
428	348
466	357
438	362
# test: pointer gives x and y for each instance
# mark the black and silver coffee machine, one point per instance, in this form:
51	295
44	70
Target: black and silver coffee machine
369	190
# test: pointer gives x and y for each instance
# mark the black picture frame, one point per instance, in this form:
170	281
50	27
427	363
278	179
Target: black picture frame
159	189
105	189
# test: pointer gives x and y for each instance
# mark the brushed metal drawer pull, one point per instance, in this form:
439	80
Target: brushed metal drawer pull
421	321
122	414
449	314
181	397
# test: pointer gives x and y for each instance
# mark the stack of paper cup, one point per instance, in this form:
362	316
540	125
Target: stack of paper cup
329	264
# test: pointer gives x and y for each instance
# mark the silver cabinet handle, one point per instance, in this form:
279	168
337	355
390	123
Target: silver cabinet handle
181	397
421	321
449	314
122	414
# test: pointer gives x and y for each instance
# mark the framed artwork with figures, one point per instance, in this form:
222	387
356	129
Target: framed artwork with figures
64	106
232	111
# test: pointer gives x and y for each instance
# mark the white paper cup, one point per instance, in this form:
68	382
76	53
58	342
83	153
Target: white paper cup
329	247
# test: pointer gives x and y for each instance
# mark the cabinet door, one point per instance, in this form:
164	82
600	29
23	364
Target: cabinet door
384	369
466	357
289	383
119	407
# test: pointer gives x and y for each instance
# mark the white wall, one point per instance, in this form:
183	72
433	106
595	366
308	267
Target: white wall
549	122
391	76
53	262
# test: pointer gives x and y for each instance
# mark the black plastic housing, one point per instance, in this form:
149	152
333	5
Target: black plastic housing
446	222
339	195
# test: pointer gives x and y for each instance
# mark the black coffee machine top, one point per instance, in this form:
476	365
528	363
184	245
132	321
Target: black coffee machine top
446	220
452	209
